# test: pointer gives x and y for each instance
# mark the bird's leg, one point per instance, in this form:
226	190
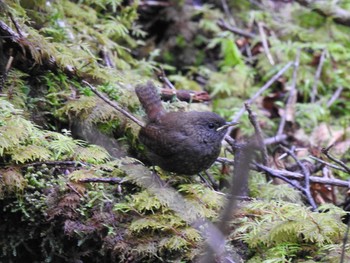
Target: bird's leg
210	182
156	179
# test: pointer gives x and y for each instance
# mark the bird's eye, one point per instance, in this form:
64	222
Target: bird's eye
211	125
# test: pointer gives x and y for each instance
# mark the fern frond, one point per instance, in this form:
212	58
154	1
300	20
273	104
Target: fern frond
62	145
30	153
91	154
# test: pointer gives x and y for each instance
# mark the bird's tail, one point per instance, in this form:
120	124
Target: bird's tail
150	100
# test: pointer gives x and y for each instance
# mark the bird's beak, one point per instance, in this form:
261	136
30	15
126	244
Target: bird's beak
226	125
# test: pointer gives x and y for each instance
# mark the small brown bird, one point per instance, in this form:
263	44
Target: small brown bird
180	142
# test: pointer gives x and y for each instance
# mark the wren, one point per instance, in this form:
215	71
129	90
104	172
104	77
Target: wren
180	142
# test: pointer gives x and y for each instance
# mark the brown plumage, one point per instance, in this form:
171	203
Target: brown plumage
181	142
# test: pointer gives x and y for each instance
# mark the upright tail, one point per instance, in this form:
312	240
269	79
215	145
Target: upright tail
150	100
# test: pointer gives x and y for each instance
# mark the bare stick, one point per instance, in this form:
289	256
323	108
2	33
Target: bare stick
62	163
265	43
258	133
221	23
345	241
225	160
287	180
306	173
154	3
20	33
275	139
248	49
9	33
184	95
238	181
325	151
335	96
74	190
299	176
114	105
227	12
9	64
328	164
292	96
317	75
163	78
260	91
111	180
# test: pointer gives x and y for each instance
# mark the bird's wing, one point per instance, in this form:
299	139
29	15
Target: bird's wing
162	143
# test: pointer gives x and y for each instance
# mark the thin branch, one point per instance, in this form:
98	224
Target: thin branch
260	91
111	180
59	163
299	176
318	75
227	12
221	23
8	64
306	173
214	185
114	105
275	139
325	151
265	43
248	51
345	241
74	190
282	177
7	32
163	78
225	160
335	96
154	3
258	133
328	164
290	104
184	95
238	182
18	28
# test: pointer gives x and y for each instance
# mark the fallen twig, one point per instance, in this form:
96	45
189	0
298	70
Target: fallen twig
215	248
164	79
318	75
328	164
345	241
53	163
325	151
335	96
114	105
221	23
154	3
265	43
292	98
185	95
74	190
306	173
227	12
275	139
111	180
298	176
258	133
260	91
